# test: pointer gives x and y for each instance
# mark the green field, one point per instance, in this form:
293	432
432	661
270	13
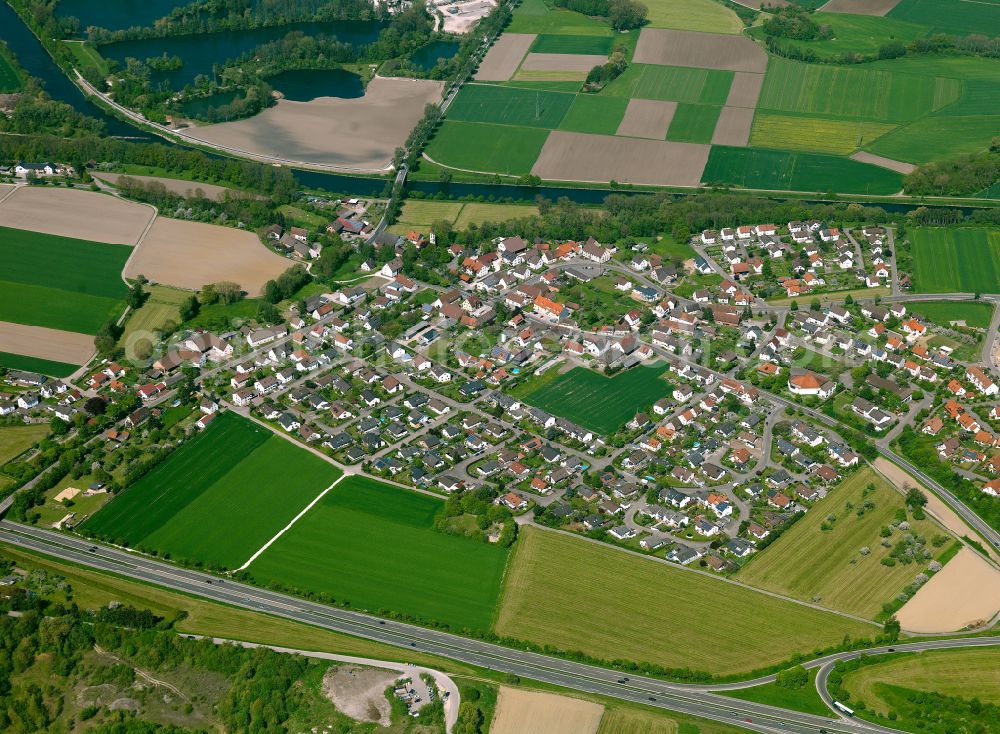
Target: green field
15	439
952	16
973	313
692	15
419	214
672	83
87	59
826	567
790	171
962	259
693	123
534	16
36	364
490	148
373	545
510	106
557	592
591	113
477	213
797	132
937	137
218	498
563	44
161	307
804	699
602	404
861	34
10	79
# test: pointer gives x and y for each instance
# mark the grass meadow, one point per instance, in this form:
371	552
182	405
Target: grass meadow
825	566
804	699
960	259
478	146
591	113
15	439
693	15
420	214
557	592
162	306
602	404
861	34
10	79
672	84
938	137
693	123
534	16
565	44
951	16
494	104
37	364
373	546
973	313
218	498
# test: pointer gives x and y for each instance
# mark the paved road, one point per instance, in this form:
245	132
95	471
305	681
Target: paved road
694	700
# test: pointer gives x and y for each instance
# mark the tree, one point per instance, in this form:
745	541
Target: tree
814	305
892	627
228	292
95	406
795	677
626	14
268	313
915	498
189	308
58	426
136	296
793	306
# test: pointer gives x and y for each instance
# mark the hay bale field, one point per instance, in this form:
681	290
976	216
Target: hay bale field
860	7
647	118
502	60
562	62
191	254
174	185
351	134
528	712
733	127
703	50
557	593
53	345
878	160
745	89
85	215
966	592
599	158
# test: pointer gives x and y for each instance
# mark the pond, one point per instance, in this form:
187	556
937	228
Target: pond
200	106
426	57
304	85
201	52
116	14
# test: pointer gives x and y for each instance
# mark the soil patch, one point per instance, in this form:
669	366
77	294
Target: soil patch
358	134
527	712
745	89
5	189
360	692
43	343
733	126
562	62
85	215
502	60
602	158
965	593
67	494
703	50
889	163
647	118
191	254
860	7
186	189
465	15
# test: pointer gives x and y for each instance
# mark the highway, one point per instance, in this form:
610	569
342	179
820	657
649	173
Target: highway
689	699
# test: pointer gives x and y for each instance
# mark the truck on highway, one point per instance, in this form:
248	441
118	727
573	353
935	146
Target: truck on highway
842	708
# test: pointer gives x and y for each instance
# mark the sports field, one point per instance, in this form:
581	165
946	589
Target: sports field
973	313
479	146
48	367
952	16
557	592
602	404
373	546
962	259
826	567
219	497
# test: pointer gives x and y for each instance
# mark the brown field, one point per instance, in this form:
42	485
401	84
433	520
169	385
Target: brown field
528	712
174	185
860	7
191	254
745	89
53	344
602	158
889	163
562	62
703	50
5	190
85	215
965	593
502	60
347	134
647	118
733	127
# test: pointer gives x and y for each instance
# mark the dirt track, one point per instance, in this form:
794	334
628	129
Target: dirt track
192	254
745	89
53	344
562	62
860	7
603	158
502	60
733	127
528	712
889	163
647	118
85	215
702	50
966	592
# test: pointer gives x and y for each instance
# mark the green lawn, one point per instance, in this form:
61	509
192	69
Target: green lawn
693	15
693	123
602	404
804	699
15	439
494	104
576	595
952	16
563	44
591	113
490	148
373	545
826	566
973	313
672	83
963	259
218	498
36	364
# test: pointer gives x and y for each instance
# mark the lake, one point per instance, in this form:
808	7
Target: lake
426	57
304	85
116	14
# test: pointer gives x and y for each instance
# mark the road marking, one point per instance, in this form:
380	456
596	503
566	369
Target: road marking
294	520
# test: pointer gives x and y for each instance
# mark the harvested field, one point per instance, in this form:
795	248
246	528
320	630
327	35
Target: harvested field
647	118
877	160
733	127
702	50
360	692
599	158
85	215
745	89
191	254
502	60
528	712
965	593
5	190
860	7
174	185
50	344
327	131
562	62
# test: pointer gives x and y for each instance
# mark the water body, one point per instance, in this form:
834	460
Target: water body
201	52
116	14
426	57
305	85
201	105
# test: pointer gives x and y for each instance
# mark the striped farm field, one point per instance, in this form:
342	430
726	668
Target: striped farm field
692	15
672	83
498	105
693	123
959	259
475	146
938	137
564	44
793	132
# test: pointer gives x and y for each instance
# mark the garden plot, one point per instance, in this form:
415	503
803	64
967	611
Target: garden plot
860	7
599	158
85	215
502	60
745	89
50	344
647	118
733	127
562	62
701	50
